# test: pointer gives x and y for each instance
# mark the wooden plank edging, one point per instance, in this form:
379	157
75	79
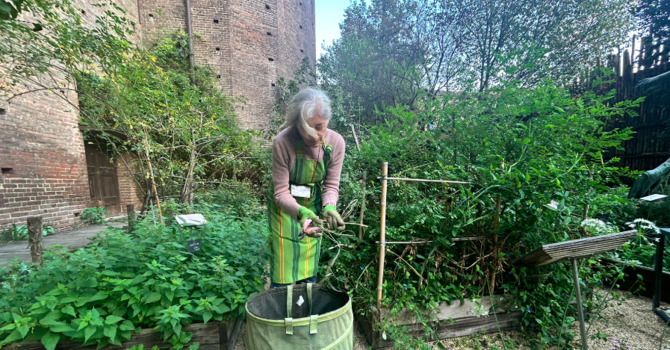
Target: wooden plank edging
211	336
447	328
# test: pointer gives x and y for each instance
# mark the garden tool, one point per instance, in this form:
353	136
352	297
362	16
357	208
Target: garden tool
307	218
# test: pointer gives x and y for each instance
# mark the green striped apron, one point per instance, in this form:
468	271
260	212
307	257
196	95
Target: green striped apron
295	257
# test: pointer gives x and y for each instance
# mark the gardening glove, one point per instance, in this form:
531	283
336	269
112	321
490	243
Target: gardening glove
307	217
333	219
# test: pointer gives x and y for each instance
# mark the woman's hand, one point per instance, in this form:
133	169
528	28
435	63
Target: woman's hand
306	218
333	218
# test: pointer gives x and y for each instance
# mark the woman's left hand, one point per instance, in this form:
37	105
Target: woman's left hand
333	218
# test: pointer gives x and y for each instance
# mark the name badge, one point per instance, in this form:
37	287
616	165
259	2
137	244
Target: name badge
300	191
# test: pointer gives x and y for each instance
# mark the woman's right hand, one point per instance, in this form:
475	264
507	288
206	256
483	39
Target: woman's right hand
307	217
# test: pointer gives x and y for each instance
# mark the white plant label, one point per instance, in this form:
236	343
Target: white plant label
300	191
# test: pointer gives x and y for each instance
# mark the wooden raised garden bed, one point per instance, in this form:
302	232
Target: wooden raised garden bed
211	336
454	321
632	283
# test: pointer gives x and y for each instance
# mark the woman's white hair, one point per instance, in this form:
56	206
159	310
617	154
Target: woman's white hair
304	105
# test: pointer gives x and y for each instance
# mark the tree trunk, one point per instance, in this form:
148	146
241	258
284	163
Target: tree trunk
132	217
187	191
153	181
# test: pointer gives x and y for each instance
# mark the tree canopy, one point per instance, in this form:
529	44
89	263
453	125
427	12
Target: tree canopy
393	51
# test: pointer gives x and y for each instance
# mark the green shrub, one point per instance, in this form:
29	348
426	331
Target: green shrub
527	148
94	215
20	232
122	283
237	199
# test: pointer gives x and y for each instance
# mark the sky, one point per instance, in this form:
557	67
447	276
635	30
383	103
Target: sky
329	14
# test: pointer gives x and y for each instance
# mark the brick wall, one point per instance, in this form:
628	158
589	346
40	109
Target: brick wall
42	150
298	36
258	42
43	161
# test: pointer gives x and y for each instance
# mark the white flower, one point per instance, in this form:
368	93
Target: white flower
597	226
553	204
642	224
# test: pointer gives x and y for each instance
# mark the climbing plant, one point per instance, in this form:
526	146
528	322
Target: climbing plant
533	159
185	133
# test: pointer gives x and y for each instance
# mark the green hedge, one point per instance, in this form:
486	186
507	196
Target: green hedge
123	282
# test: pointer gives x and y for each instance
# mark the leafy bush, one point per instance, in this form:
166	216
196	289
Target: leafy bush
238	199
522	148
20	232
122	283
180	123
94	215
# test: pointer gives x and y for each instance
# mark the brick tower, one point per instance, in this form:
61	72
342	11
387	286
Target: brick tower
250	44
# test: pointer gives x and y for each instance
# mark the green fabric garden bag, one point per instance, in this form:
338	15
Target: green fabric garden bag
301	317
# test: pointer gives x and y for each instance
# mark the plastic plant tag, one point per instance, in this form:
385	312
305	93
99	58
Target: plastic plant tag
653	197
300	191
193	246
191	220
300	301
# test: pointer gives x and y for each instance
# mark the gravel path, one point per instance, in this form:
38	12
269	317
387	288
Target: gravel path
630	322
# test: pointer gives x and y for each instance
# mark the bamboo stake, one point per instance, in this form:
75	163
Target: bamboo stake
382	236
423	180
153	181
455	239
496	226
360	229
586	211
353	131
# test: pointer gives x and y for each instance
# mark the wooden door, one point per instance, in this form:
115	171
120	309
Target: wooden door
103	181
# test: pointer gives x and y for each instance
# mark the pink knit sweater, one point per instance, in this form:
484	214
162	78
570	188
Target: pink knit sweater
283	158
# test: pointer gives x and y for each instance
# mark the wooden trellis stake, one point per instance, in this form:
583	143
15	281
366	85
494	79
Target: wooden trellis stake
360	228
35	228
382	235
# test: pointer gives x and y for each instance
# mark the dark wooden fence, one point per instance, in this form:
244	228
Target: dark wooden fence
643	59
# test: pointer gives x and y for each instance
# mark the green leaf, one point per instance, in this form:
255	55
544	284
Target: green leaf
222	309
51	318
23	330
110	331
525	141
61	327
152	297
127	326
98	296
138	279
14	336
50	340
111	319
89	331
8	327
206	316
69	310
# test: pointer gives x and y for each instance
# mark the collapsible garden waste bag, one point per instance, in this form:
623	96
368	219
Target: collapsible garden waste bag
301	317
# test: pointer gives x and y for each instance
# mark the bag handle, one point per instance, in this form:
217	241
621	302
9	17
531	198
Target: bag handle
288	321
313	319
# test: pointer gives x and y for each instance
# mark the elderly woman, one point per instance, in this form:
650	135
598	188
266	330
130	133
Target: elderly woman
306	165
